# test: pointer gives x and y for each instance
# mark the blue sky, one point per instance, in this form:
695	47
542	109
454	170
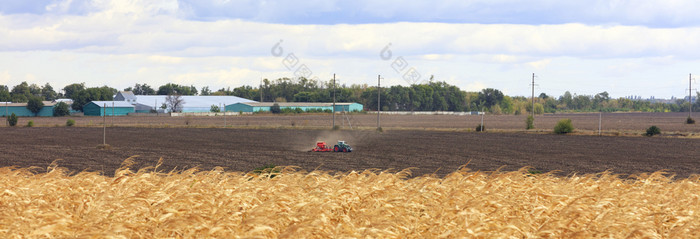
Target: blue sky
624	47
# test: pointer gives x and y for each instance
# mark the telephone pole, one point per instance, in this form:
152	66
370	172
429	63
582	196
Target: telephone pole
333	101
379	102
690	94
261	95
533	96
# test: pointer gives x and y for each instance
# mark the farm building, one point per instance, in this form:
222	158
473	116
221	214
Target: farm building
144	103
265	106
20	109
97	108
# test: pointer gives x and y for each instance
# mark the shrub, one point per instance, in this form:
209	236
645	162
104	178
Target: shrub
653	130
12	119
564	126
530	122
70	122
61	109
275	109
480	128
30	123
215	109
690	120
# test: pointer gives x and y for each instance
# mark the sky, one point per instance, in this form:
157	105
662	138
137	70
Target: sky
625	47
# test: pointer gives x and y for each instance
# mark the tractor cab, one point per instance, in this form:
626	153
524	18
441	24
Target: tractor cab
342	147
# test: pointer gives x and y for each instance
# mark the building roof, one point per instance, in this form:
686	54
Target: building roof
293	104
191	101
128	95
116	104
10	104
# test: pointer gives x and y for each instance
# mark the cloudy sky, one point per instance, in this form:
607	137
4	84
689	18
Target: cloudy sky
625	47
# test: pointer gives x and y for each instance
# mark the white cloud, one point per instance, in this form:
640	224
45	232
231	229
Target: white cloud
120	43
5	77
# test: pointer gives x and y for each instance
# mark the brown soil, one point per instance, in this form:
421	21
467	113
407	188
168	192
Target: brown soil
612	123
427	151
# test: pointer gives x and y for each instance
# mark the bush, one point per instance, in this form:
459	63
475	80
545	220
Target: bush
690	120
275	109
70	122
653	130
215	109
564	126
30	123
480	128
61	109
529	122
12	119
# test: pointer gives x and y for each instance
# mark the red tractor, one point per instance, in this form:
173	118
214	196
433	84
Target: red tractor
340	147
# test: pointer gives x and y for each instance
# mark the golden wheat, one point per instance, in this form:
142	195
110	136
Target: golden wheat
379	204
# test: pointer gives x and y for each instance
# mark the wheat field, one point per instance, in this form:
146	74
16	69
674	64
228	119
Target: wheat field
149	203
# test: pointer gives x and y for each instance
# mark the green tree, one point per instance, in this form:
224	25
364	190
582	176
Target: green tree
71	89
489	97
82	97
140	89
175	89
61	109
5	94
21	93
34	105
205	91
48	93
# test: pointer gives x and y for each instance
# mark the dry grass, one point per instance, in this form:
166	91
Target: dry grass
221	204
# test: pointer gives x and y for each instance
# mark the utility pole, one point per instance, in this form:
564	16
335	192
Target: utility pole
379	100
600	123
533	96
333	101
104	124
690	94
261	95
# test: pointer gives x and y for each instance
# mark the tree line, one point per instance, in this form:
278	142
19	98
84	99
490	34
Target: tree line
430	96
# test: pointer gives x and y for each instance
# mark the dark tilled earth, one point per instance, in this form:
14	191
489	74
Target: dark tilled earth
426	151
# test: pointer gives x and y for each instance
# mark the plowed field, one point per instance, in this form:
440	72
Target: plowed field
426	151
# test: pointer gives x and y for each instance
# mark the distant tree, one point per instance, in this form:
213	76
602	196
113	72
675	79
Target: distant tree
5	94
82	97
489	97
174	103
205	91
61	109
34	105
543	96
139	89
48	93
21	93
170	89
215	108
71	89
